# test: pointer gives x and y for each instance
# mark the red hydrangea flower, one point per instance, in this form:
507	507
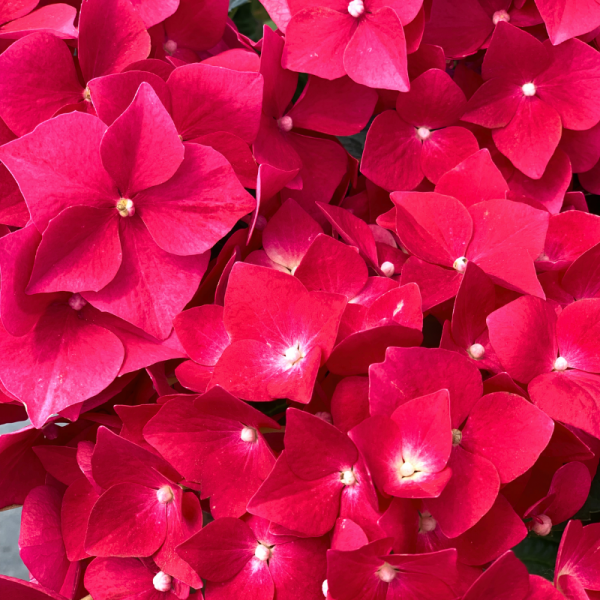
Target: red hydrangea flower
531	91
244	557
421	138
363	39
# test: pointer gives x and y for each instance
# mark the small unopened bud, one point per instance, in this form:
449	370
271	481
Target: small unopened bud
560	364
285	123
162	582
529	89
261	223
262	552
476	351
165	495
500	15
423	133
249	435
428	523
387	268
456	437
460	264
170	46
356	8
77	302
126	207
406	470
542	525
386	573
325	588
348	477
324	416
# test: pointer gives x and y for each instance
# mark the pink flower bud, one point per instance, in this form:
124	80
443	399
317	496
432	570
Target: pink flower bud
249	435
386	573
428	523
387	268
165	495
560	364
285	123
460	264
500	15
529	89
356	8
542	525
476	351
348	477
162	582
76	302
170	46
423	133
262	552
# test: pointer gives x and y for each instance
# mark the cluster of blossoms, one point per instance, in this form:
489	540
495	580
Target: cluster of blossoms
257	368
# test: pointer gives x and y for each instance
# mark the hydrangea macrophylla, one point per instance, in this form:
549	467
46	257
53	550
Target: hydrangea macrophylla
363	39
421	138
243	557
443	236
192	431
306	496
280	335
557	356
132	253
38	75
565	20
17	21
531	92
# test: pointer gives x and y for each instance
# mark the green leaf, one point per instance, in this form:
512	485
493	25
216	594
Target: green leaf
539	553
235	3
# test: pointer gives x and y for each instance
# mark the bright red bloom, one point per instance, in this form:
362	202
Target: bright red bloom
531	91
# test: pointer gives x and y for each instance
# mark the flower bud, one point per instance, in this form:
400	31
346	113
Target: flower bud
460	264
285	123
560	364
386	573
77	302
542	525
387	268
262	552
356	8
500	15
165	495
529	89
348	477
162	582
476	351
249	435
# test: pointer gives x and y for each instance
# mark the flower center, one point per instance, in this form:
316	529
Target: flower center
348	477
460	264
162	582
356	8
76	302
542	525
427	523
529	89
500	15
387	268
560	364
407	469
87	96
126	207
170	46
262	552
293	355
165	495
325	588
456	437
249	435
285	123
386	573
476	351
423	133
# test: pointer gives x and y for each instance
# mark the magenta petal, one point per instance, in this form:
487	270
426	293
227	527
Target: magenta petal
474	180
26	591
494	104
446	148
309	507
56	19
350	402
40	542
186	214
571	397
335	450
253	582
64	154
208	99
392	156
38	78
576	331
127	520
565	20
141	148
506	574
376	53
80	251
329	32
15	9
155	11
473	477
509	431
152	286
111	36
433	227
86	361
530	139
523	335
582	279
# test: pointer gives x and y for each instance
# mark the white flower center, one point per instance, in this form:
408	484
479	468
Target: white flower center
500	15
529	89
348	477
162	582
293	355
386	573
460	264
423	133
165	495
76	302
249	435
126	207
356	8
262	552
476	351
560	364
387	268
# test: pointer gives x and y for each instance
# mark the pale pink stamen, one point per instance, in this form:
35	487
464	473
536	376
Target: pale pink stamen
423	133
165	495
542	525
460	264
407	469
356	8
560	364
476	351
529	89
293	355
500	15
285	123
348	477
162	582
387	268
76	302
262	552
126	207
249	435
386	573
170	46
